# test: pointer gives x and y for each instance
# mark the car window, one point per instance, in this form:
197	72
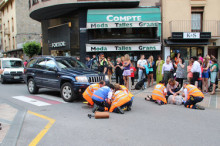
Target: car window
50	64
31	63
12	64
65	63
40	63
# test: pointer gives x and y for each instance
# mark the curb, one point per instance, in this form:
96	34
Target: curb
16	125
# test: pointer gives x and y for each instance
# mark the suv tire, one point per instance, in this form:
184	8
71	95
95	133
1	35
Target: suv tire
32	88
67	92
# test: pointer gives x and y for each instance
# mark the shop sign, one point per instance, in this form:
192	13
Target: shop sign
107	48
122	24
58	44
191	35
59	37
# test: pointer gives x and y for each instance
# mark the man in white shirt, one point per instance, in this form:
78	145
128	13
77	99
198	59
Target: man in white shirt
140	64
196	70
167	70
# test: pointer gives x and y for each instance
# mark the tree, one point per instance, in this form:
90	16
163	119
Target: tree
31	48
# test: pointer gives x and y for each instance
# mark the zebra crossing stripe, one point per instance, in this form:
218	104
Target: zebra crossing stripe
31	101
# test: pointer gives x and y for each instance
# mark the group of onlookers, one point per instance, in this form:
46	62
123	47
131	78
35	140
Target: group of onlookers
198	71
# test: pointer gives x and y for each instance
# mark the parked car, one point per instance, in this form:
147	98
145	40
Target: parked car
65	74
11	69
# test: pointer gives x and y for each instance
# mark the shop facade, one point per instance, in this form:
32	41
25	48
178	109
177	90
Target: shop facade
188	44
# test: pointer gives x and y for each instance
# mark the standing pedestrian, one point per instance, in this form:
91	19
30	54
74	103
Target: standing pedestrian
196	70
25	63
189	75
133	70
151	70
127	71
180	71
103	64
159	65
141	69
167	70
110	69
214	75
88	62
205	74
118	71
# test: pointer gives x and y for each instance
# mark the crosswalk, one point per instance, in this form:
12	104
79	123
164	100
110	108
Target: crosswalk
39	100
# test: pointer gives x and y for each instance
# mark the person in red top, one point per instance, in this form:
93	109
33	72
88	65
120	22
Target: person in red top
133	70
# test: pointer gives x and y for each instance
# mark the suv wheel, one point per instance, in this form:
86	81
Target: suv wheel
32	88
67	92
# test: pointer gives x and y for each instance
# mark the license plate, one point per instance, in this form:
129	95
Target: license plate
16	77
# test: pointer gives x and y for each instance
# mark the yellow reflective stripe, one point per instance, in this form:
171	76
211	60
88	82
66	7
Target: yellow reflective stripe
119	99
159	91
88	93
195	92
157	95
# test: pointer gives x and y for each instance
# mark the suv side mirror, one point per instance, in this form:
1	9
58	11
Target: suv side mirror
53	69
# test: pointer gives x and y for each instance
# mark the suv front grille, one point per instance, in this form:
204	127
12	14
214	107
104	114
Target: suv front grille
96	79
18	73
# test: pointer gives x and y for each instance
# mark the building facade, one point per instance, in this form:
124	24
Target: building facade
191	27
87	27
17	27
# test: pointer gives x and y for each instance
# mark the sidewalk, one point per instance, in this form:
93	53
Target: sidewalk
210	101
11	118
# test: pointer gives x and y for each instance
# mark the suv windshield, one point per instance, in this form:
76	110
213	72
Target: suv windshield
65	63
12	64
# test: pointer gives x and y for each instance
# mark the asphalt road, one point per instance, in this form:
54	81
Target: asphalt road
146	124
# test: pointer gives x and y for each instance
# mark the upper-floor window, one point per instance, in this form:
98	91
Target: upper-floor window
35	2
197	19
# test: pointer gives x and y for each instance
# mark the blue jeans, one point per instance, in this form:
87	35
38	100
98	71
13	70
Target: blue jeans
141	75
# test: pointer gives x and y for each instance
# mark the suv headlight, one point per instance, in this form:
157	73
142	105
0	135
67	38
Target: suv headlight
81	79
6	73
106	78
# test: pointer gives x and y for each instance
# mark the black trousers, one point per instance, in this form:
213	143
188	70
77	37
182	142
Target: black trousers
132	80
195	77
101	105
180	80
119	78
191	103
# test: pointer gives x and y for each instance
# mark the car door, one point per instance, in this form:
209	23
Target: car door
39	72
51	74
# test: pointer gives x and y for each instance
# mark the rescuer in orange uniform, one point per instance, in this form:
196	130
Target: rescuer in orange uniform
192	96
87	95
120	99
159	94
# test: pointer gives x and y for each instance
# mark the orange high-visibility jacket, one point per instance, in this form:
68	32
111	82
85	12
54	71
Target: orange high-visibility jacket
87	95
119	98
127	91
158	93
193	91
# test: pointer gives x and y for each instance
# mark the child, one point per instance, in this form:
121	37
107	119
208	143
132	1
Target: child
133	70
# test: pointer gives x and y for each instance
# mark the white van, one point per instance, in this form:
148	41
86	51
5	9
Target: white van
11	69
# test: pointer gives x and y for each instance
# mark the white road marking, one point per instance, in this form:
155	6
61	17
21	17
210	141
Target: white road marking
51	98
31	100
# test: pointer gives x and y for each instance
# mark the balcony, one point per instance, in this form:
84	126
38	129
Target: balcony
212	26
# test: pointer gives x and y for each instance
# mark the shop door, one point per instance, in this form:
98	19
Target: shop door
213	52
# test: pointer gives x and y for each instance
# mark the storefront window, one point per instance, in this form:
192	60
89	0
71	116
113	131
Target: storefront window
186	52
123	33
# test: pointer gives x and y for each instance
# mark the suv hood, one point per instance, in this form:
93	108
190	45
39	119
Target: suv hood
80	71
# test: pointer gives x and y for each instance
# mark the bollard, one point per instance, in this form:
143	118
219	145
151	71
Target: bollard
129	82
